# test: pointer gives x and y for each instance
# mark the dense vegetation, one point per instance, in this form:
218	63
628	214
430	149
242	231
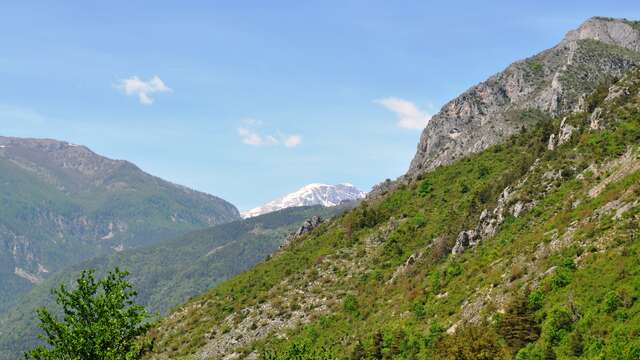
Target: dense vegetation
52	217
101	321
559	278
168	273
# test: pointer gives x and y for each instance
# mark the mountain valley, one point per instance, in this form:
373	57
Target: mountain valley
170	272
519	246
62	204
514	233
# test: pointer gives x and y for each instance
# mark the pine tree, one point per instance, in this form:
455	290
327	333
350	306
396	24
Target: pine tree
518	325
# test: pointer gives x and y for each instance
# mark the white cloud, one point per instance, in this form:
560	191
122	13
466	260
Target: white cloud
409	116
134	86
251	136
292	141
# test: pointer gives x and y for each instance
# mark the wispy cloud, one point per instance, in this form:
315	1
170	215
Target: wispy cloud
409	115
292	141
134	86
250	135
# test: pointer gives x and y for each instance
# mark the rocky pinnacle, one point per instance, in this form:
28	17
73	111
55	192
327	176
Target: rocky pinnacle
552	82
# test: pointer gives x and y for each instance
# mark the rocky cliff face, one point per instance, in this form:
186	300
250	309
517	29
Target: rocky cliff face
549	83
61	203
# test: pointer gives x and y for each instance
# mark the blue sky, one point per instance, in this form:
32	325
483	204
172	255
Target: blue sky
249	100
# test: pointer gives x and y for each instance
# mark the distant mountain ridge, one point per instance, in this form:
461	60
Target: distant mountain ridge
62	203
312	194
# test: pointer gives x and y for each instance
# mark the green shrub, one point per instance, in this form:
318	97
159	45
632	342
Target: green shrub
434	280
556	326
350	305
418	310
425	187
434	334
530	352
300	350
612	302
560	279
568	263
454	269
535	66
419	220
536	300
483	171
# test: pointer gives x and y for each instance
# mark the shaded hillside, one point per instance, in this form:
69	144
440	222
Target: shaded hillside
61	203
527	247
170	272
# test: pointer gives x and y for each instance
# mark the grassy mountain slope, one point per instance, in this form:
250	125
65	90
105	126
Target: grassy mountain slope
545	233
61	204
168	273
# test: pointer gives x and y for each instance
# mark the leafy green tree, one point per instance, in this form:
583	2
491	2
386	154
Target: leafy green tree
101	321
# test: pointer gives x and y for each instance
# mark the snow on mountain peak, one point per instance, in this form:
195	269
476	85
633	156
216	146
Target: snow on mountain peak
312	194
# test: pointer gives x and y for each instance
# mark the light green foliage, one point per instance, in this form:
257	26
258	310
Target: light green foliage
419	220
535	66
634	24
454	269
350	305
536	300
556	326
300	351
101	321
425	187
612	302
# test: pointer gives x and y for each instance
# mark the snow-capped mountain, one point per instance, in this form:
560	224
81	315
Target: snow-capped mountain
312	194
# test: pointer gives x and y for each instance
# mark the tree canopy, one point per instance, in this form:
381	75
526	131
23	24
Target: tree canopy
100	321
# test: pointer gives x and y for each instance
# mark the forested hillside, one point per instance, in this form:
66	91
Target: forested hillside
527	249
168	273
61	204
